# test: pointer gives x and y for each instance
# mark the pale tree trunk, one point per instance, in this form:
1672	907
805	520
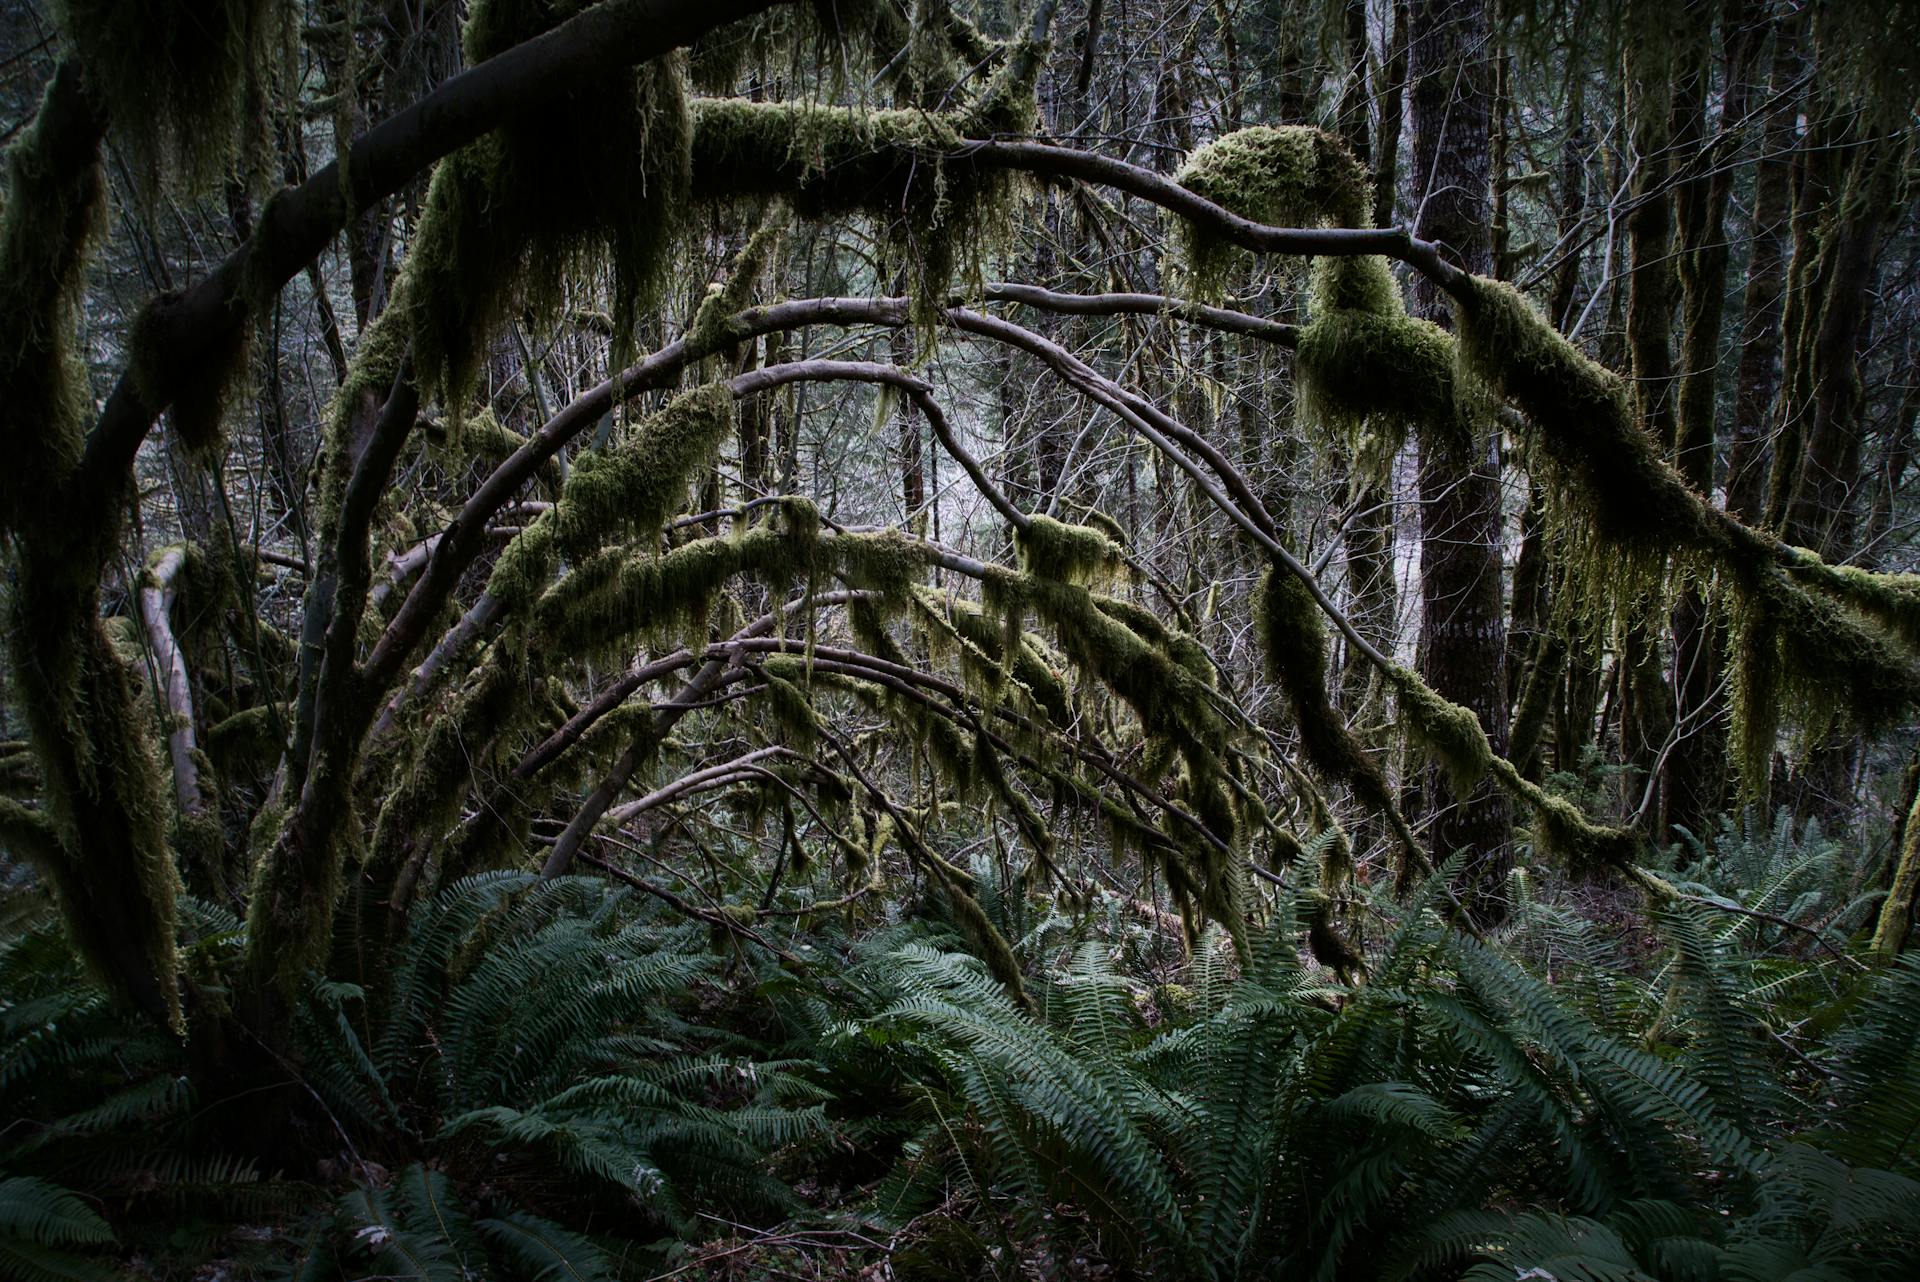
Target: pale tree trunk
1463	628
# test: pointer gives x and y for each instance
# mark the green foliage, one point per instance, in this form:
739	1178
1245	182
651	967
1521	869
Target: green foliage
39	1223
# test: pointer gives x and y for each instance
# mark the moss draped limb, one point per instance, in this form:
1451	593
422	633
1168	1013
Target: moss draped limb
1295	640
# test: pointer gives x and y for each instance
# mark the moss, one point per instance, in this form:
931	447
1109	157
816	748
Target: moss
251	735
617	596
710	331
1294	637
1891	600
888	564
55	203
1389	371
1449	733
633	489
988	943
181	81
524	566
481	440
494	237
1584	433
1067	553
1033	668
788	702
1291	176
427	801
1329	947
937	209
1803	655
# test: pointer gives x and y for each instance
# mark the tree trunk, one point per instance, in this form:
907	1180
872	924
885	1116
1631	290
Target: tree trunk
1463	626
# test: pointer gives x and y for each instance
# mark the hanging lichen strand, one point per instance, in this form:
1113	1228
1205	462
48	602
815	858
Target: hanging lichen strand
512	220
184	84
1846	649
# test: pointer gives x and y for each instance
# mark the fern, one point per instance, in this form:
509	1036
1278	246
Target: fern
39	1224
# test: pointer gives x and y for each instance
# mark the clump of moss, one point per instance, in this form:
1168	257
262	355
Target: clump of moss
1078	554
710	330
1449	733
1291	176
635	488
181	82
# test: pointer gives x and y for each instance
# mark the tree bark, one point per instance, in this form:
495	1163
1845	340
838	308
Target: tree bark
1463	626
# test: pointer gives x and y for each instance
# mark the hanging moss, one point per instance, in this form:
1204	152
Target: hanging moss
989	945
1634	510
1033	668
889	564
525	565
427	802
614	597
184	82
789	703
632	490
1292	176
1386	370
510	219
938	211
1294	637
1584	424
1067	553
1892	600
1449	733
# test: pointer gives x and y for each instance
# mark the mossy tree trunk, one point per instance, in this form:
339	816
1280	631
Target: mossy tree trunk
1463	638
1695	782
1655	38
1756	373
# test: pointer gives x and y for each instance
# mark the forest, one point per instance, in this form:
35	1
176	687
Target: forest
959	639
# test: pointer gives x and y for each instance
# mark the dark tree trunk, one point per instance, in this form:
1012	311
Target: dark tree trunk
1463	626
1756	374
